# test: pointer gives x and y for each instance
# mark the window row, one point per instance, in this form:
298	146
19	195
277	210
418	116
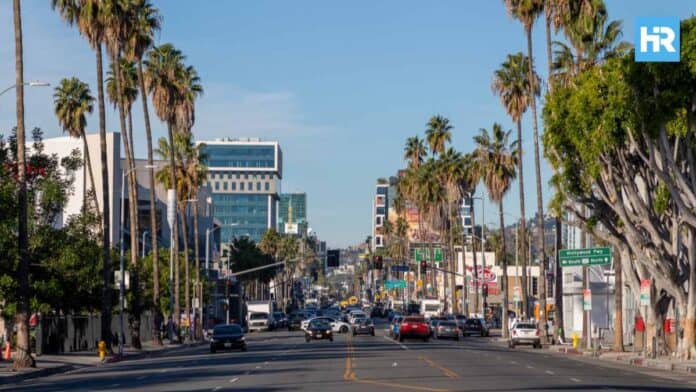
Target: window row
238	176
242	186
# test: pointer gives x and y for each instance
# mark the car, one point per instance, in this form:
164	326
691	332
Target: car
295	320
336	325
447	329
355	314
364	326
414	327
525	333
475	326
318	329
260	321
227	336
281	320
394	327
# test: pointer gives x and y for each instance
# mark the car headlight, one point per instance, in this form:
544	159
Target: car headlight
212	340
242	338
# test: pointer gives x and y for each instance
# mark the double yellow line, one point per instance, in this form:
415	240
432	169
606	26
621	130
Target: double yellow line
349	374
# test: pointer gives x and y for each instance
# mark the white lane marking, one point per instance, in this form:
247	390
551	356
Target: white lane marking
395	364
513	363
258	367
530	367
163	370
574	379
234	379
396	342
216	389
549	372
265	363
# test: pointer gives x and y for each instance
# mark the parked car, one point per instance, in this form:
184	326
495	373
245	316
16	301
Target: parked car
475	326
414	327
227	336
525	333
364	326
447	329
318	329
281	320
394	326
295	320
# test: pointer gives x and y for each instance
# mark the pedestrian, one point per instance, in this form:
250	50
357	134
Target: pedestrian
170	329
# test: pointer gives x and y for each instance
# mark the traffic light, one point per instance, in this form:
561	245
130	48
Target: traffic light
484	289
377	262
423	266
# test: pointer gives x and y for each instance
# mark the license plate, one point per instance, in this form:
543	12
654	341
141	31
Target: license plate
318	335
227	345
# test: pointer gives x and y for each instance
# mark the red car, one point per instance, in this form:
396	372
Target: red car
414	327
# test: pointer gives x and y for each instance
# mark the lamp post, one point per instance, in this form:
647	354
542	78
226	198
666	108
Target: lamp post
122	284
33	83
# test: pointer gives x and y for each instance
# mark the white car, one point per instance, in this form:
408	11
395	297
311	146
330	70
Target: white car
336	325
524	333
355	314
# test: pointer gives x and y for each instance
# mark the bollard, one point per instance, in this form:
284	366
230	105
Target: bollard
101	349
7	354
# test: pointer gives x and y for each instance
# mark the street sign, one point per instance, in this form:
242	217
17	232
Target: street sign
438	255
424	254
395	284
586	299
400	268
645	292
516	294
589	256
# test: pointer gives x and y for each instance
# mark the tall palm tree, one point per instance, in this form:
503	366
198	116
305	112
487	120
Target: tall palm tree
145	22
23	357
527	12
438	133
512	84
88	17
163	68
73	100
497	158
414	151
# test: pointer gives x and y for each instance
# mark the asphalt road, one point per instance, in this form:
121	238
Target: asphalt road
283	361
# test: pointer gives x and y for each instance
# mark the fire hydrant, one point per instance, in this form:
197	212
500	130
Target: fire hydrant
101	349
575	338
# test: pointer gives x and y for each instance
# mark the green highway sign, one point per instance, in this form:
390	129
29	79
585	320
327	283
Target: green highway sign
424	254
580	257
395	284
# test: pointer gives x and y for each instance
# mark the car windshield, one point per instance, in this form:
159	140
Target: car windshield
227	329
258	316
447	324
460	317
525	326
321	323
473	322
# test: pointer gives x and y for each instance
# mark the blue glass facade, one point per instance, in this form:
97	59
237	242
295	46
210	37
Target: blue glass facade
244	176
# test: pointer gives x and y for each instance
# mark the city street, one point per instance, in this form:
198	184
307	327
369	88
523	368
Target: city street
278	361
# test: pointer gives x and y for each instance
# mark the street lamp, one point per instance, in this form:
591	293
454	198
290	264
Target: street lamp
122	285
33	83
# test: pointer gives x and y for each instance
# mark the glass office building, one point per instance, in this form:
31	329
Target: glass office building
244	176
292	213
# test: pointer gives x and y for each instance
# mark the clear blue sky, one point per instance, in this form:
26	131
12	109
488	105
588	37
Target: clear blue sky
341	85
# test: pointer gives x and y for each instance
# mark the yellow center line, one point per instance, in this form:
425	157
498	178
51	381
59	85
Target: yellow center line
447	372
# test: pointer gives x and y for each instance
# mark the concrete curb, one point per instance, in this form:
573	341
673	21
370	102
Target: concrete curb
44	372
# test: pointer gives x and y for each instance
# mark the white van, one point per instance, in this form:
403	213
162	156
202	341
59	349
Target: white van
431	307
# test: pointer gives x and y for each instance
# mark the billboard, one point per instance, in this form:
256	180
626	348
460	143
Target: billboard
291	228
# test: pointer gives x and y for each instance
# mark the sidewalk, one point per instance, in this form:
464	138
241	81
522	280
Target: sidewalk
634	359
53	364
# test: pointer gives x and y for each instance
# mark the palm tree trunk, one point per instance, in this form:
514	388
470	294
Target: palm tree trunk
153	209
618	345
453	258
198	317
88	169
174	254
187	277
106	335
23	357
522	252
504	285
540	203
475	282
134	319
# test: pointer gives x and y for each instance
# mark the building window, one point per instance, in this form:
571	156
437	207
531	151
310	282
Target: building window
217	186
237	176
378	241
246	176
250	186
379	220
258	186
234	186
224	186
241	186
267	186
535	285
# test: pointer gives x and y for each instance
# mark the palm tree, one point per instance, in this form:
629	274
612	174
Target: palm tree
88	17
23	357
511	83
414	151
527	12
162	70
145	21
73	100
438	133
497	158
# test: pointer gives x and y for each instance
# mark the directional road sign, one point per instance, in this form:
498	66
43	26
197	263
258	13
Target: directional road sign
424	254
400	268
395	284
590	256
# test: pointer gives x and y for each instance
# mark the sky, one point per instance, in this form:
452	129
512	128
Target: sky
340	85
